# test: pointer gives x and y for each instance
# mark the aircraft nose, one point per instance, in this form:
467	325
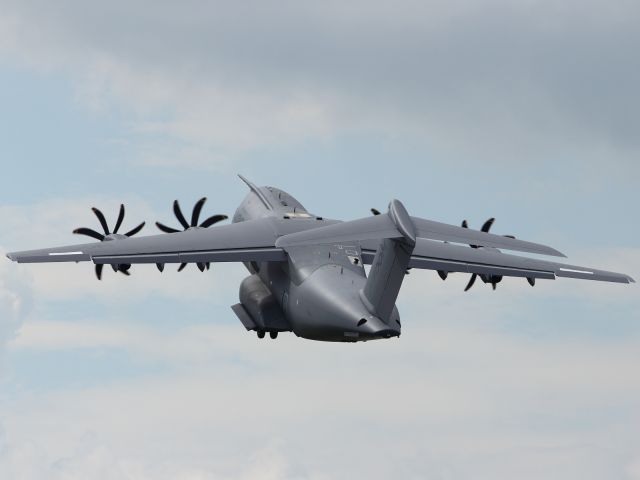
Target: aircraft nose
388	333
373	327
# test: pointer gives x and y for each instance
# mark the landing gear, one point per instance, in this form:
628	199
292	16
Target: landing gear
272	333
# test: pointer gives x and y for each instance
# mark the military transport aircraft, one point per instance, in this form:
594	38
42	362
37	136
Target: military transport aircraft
307	273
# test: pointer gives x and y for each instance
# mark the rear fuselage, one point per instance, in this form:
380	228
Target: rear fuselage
318	290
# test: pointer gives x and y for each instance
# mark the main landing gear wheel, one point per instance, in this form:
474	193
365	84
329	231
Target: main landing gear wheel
273	335
260	333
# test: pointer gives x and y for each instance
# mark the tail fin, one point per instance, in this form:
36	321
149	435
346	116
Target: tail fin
390	265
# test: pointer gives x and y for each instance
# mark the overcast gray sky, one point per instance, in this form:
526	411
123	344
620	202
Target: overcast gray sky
527	111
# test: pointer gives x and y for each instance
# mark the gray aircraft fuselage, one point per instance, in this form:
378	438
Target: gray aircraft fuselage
317	294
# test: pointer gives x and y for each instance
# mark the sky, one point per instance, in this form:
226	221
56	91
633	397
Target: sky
524	111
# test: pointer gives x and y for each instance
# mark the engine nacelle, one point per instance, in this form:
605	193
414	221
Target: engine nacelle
258	308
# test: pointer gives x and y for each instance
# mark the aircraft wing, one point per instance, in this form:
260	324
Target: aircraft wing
434	247
267	239
447	257
252	240
382	226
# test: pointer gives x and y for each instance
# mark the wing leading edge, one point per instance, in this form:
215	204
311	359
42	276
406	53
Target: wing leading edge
246	241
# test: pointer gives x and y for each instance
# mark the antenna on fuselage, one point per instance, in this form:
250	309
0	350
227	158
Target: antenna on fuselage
258	192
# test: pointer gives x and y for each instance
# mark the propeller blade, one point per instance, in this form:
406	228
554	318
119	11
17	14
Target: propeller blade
120	218
195	216
131	233
493	285
179	215
532	281
99	271
201	266
472	280
486	226
125	272
213	219
89	233
443	274
208	264
375	211
166	229
181	267
102	220
123	268
465	224
160	267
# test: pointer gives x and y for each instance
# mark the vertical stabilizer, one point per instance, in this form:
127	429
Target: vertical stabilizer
390	265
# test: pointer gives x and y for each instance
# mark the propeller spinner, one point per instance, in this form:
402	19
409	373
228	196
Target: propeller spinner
108	236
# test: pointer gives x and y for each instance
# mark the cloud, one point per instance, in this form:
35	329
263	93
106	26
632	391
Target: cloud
90	457
442	400
16	299
634	469
487	80
469	390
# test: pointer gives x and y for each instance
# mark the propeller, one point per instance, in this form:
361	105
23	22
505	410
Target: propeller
195	218
108	236
492	279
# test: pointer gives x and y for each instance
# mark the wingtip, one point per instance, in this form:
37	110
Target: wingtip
10	257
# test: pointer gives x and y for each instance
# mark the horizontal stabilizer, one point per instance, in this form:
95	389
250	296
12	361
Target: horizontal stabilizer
384	226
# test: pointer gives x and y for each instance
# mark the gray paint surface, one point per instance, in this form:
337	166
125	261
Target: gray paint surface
307	272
